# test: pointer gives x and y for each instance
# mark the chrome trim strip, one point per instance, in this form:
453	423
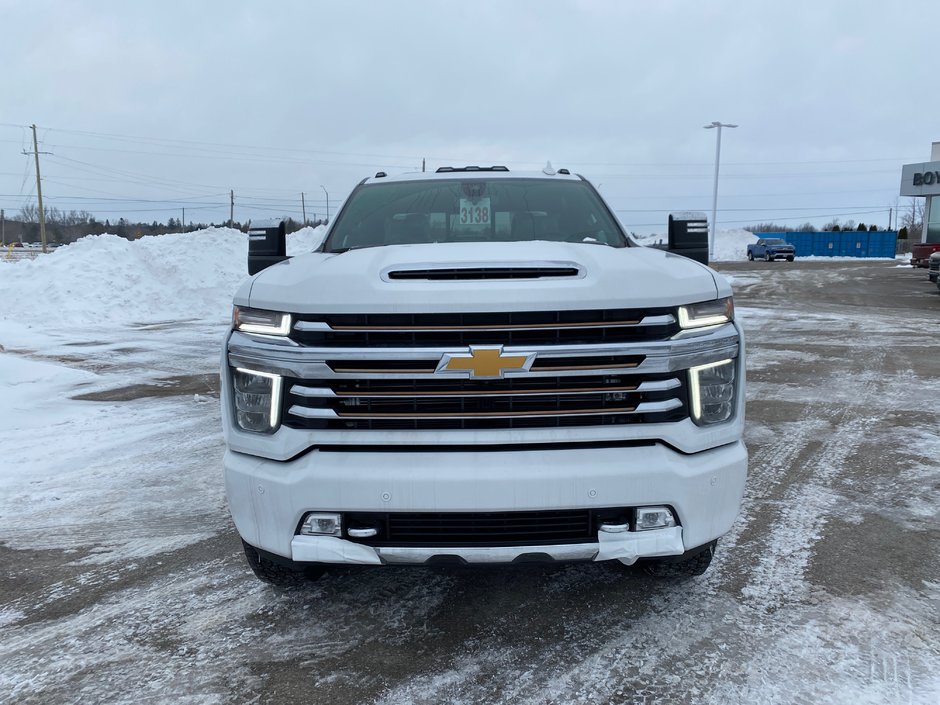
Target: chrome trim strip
685	350
320	371
499	554
662	385
305	326
302	391
650	407
322	326
316	392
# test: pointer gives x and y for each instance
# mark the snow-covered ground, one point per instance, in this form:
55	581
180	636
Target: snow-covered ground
122	580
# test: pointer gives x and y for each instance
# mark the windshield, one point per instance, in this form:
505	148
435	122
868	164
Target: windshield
775	241
473	210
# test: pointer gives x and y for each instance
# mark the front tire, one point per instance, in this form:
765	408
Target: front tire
283	573
789	258
750	256
685	567
767	257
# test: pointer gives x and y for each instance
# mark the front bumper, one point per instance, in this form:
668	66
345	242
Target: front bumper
626	547
269	498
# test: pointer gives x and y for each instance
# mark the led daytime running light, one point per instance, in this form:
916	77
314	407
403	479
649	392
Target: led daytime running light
280	323
688	319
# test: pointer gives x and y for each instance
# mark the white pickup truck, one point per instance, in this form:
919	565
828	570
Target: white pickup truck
480	366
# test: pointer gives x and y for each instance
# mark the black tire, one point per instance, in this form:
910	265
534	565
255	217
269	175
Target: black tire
690	567
282	573
767	257
790	258
750	256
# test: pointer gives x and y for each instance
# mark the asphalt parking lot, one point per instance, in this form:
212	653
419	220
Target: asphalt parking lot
826	590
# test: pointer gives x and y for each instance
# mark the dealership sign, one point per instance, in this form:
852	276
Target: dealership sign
920	179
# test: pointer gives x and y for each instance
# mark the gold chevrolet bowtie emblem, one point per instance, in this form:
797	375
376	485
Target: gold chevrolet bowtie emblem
484	362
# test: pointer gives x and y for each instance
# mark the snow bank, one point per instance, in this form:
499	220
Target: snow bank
104	279
730	245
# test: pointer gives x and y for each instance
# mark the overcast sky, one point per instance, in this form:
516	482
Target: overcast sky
175	103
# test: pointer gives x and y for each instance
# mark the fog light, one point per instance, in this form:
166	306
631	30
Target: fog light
654	518
322	524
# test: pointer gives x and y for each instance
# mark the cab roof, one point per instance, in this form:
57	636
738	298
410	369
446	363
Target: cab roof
448	173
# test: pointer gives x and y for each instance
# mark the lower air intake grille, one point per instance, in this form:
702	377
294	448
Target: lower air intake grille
485	528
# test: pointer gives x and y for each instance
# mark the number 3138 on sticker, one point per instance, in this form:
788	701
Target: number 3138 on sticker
474	213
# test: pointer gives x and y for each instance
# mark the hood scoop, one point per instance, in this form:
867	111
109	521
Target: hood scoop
476	273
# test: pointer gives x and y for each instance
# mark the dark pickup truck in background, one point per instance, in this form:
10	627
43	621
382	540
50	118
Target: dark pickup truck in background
771	248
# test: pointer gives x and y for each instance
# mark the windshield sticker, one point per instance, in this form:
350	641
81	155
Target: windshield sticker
473	213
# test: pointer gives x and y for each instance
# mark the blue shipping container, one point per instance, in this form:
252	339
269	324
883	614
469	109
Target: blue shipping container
849	243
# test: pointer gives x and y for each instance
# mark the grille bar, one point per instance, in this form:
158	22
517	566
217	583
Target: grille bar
644	408
505	328
659	320
307	326
583	363
656	386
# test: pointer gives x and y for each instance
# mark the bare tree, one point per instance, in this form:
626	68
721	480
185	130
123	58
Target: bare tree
912	218
29	214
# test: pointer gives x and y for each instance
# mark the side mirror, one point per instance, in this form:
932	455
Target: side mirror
688	236
267	244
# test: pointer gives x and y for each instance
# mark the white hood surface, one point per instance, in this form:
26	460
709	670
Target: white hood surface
357	281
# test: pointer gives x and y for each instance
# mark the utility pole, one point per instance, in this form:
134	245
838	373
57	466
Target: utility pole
890	212
303	207
231	209
42	213
183	222
3	229
422	164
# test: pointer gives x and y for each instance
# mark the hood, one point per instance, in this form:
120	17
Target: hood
597	277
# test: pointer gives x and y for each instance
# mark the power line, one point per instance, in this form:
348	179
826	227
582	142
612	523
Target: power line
748	210
215	147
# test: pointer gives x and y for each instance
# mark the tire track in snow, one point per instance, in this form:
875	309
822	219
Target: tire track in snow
779	576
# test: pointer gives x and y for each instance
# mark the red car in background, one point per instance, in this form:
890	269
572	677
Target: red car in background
920	253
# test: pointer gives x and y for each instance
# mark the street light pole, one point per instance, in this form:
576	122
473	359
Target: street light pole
711	244
327	203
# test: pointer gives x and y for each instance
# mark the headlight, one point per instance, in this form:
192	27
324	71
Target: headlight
257	398
707	313
712	392
254	320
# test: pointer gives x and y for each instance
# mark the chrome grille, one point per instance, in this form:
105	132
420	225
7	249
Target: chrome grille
380	371
526	401
358	388
510	328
